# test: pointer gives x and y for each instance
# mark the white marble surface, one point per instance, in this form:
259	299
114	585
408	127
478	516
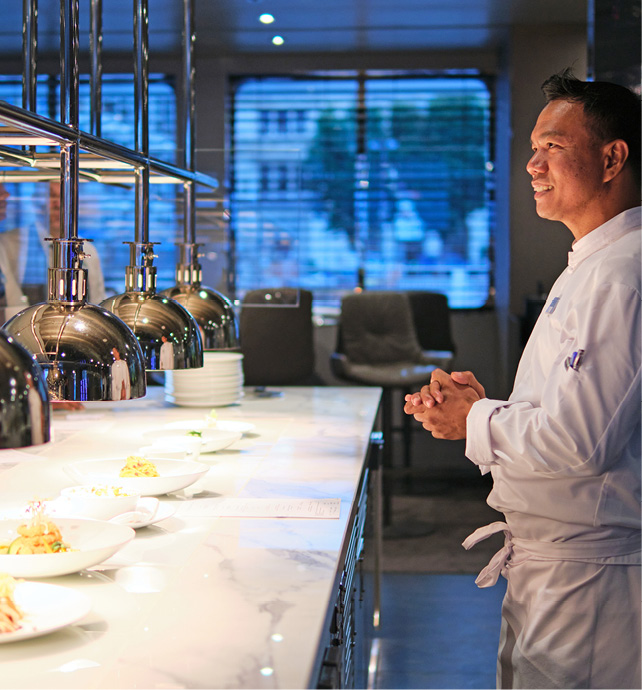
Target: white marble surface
193	601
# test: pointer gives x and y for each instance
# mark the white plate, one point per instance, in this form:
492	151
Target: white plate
219	357
211	439
193	397
187	402
174	474
219	425
46	608
146	513
94	541
234	425
206	392
205	382
215	373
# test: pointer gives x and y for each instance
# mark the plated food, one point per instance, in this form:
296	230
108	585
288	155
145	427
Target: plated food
39	535
173	475
136	466
10	614
41	608
89	543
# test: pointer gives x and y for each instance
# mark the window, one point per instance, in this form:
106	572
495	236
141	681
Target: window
379	180
106	212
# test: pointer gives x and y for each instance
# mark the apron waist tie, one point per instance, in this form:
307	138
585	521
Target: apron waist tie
516	551
490	574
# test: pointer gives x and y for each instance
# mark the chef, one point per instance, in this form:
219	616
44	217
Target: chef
564	449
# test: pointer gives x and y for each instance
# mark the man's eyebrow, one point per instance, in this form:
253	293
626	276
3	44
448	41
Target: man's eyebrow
551	133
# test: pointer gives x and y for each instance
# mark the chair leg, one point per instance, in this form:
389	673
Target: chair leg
386	423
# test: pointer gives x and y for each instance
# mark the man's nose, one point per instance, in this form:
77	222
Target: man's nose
536	164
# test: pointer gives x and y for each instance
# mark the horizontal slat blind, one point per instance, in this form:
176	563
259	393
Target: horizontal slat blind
379	180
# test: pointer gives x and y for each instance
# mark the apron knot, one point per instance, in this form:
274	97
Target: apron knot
490	574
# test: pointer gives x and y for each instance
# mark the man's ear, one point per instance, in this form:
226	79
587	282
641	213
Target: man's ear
616	154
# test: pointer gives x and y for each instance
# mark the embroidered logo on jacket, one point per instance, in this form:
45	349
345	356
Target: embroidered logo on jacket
552	306
574	361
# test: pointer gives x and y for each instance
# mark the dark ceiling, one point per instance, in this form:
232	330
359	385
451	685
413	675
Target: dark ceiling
232	26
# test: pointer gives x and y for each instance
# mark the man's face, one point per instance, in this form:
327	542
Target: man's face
567	168
4	195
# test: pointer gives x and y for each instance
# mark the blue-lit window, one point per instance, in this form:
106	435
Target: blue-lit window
106	212
378	180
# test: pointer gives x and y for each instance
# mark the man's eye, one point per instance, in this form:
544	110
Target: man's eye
551	145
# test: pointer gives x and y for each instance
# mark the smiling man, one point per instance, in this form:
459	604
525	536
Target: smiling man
564	449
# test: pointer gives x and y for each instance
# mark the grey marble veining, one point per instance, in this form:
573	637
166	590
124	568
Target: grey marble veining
197	601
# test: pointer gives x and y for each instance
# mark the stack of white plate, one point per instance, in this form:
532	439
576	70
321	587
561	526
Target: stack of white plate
218	383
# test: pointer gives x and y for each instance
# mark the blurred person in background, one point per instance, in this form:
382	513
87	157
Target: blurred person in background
12	299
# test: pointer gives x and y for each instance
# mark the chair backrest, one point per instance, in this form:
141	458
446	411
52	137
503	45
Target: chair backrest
376	327
431	316
277	337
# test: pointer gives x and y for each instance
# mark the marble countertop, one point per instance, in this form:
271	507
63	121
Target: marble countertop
198	600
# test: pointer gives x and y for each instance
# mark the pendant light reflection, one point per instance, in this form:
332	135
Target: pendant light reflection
24	405
168	335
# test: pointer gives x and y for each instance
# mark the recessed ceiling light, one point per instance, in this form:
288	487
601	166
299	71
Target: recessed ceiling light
278	40
266	18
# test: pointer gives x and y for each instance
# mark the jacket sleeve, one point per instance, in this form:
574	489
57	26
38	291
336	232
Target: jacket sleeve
586	413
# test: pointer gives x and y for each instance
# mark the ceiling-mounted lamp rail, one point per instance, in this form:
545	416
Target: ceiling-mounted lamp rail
212	310
95	66
19	126
19	120
29	53
168	334
86	352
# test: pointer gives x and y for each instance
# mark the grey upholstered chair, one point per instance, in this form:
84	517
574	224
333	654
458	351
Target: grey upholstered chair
277	338
431	316
377	346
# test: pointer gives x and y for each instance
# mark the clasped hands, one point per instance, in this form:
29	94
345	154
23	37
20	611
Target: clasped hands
443	405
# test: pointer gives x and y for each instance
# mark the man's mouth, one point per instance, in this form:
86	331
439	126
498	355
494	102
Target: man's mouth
541	188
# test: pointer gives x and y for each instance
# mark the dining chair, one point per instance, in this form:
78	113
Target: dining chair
431	316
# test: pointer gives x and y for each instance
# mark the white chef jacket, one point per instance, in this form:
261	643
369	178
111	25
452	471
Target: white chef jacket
564	452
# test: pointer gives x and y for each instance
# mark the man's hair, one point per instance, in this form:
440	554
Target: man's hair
613	111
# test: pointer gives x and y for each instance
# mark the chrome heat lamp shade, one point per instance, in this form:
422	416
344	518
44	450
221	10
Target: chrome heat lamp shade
212	311
168	335
24	405
87	353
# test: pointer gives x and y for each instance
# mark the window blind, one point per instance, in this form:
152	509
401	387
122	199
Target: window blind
375	180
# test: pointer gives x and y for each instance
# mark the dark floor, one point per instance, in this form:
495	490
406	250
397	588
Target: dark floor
438	629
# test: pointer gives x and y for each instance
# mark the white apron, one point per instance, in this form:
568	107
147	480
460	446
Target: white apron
557	632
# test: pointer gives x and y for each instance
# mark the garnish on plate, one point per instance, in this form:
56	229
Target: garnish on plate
39	535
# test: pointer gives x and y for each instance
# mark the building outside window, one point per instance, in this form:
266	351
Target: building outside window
374	180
